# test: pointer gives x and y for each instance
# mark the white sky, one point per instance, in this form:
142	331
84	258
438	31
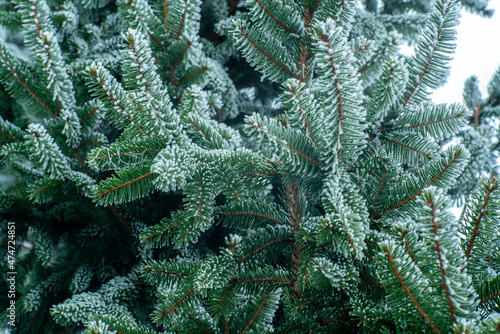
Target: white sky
477	53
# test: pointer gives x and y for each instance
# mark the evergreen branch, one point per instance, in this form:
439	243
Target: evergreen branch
302	155
256	313
264	51
456	158
307	268
89	115
339	89
407	290
151	237
181	25
362	48
387	92
258	209
372	281
39	190
310	13
107	156
111	93
140	16
265	54
136	41
192	75
274	17
439	121
440	256
407	245
201	131
337	93
44	152
346	220
261	248
16	77
198	323
490	189
488	292
226	294
256	214
40	38
301	102
428	65
380	188
231	184
427	155
103	193
126	153
140	73
279	9
183	20
181	57
261	279
273	133
147	270
171	309
199	206
310	301
80	160
491	296
342	12
8	136
189	226
378	55
101	323
425	124
126	186
12	133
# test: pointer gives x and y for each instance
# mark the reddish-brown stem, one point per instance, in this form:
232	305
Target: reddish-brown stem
201	70
223	298
477	112
171	309
256	214
162	231
407	290
125	153
437	248
256	313
475	232
25	86
198	323
265	54
274	17
261	248
261	279
408	147
380	188
455	157
125	184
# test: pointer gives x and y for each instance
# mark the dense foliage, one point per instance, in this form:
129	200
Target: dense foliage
268	167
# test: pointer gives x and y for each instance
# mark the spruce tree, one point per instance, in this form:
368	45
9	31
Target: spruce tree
276	167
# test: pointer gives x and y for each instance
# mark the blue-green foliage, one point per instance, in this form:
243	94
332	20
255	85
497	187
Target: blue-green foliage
207	168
